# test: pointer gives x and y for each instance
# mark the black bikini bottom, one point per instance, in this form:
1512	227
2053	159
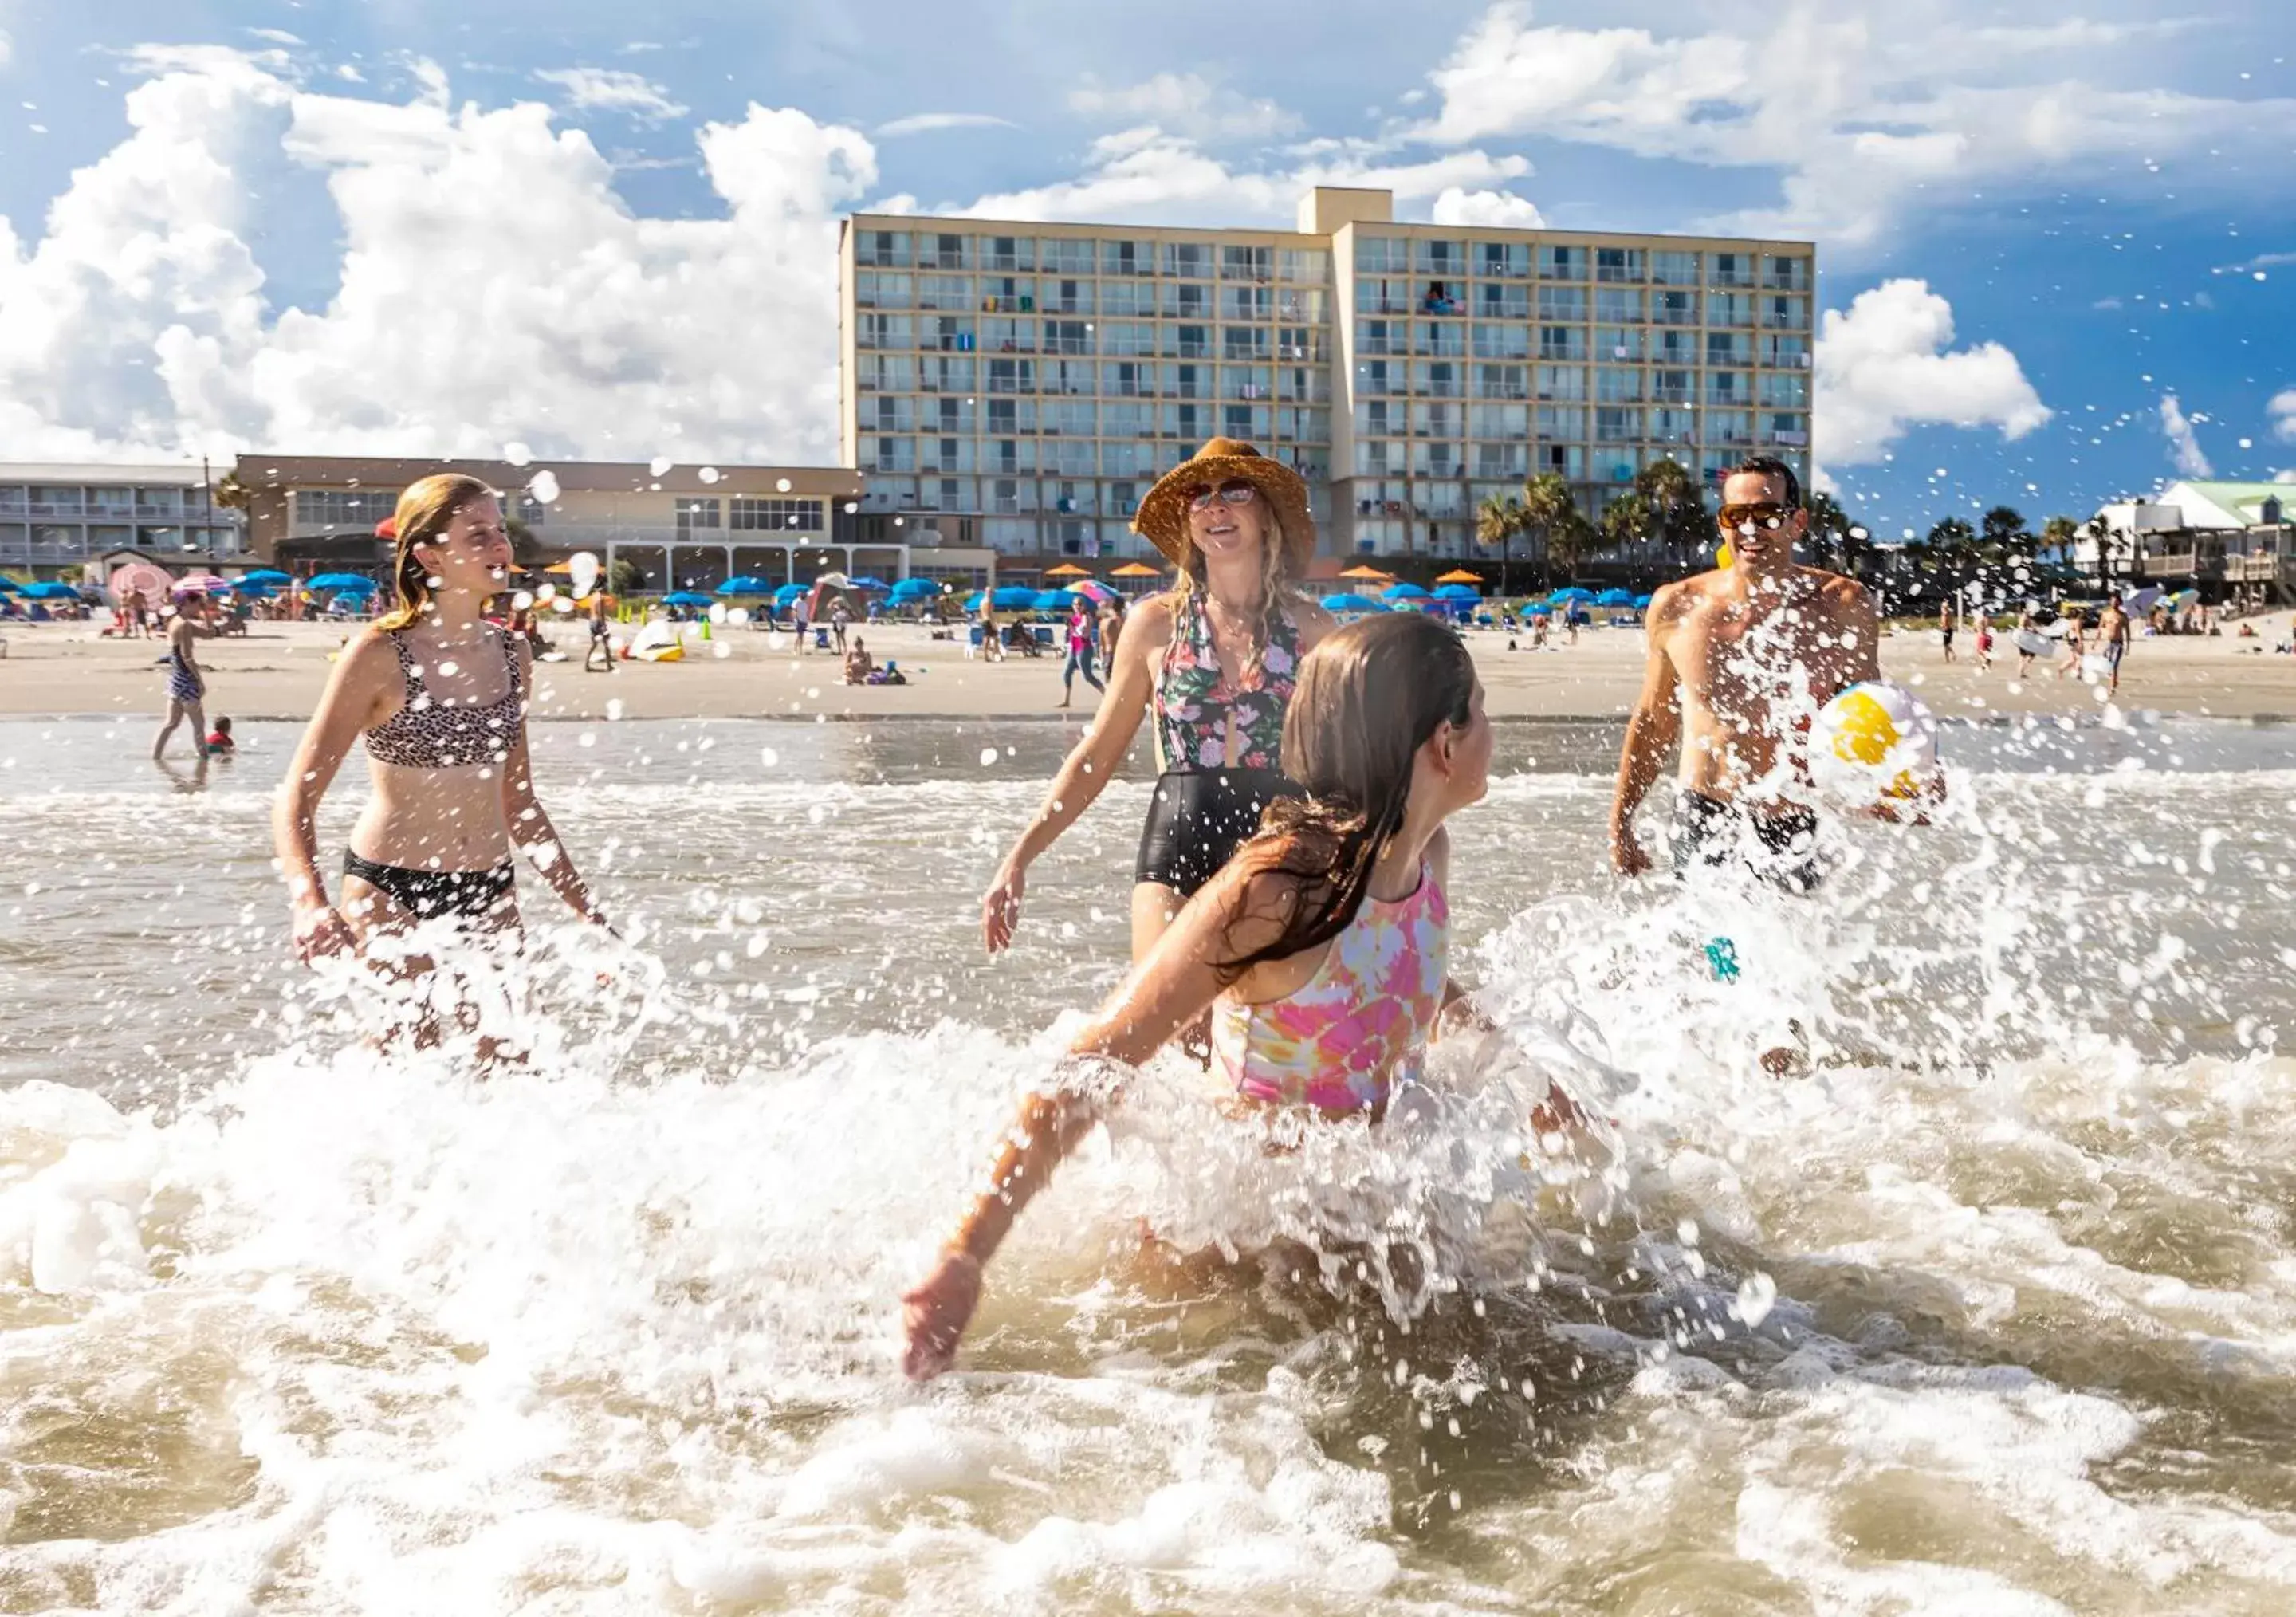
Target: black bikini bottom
1198	818
429	893
1781	849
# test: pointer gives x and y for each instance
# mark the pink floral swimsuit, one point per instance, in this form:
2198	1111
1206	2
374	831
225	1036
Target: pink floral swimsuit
1342	1042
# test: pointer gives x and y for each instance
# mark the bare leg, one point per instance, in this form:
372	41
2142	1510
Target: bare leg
1154	907
176	711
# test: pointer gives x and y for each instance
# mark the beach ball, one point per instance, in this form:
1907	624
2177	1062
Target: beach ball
1877	740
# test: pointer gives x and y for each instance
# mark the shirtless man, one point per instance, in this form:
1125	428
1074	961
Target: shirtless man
1740	659
2113	642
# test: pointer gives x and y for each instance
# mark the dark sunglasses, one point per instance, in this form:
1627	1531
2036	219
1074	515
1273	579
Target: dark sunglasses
1234	492
1769	516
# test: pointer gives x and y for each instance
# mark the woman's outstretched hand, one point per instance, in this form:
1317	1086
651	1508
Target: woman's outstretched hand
935	1313
1000	907
320	931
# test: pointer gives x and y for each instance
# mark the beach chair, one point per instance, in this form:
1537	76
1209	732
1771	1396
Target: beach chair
821	639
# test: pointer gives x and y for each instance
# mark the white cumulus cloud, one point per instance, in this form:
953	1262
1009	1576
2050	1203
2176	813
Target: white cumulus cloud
2183	442
1862	106
1888	364
1186	103
613	90
1501	209
2282	410
141	322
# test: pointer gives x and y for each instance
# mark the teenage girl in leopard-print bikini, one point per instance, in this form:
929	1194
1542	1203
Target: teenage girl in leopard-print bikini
439	696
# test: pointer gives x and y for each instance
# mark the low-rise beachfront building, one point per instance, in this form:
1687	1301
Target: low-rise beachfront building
1019	386
58	520
2232	541
683	527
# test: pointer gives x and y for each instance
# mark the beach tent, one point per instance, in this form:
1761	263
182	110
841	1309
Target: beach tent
1351	603
748	584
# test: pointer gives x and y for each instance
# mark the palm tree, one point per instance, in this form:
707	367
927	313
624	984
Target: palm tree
1568	541
1629	521
1675	508
1497	520
2101	532
1547	509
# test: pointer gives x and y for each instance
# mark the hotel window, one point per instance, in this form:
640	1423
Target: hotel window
1304	266
1011	253
1508	421
1674	309
1732	269
1440	257
700	513
882	248
1066	297
1785	274
1128	337
1617	424
1730	308
1729	428
1615	386
1560	381
1501	340
1674	426
948	250
1125	299
1127	420
1128	380
1496	302
1245	342
1562	303
1562	264
314	507
1728	388
1187	301
1247	382
1068	337
1439	337
1787	390
1246	263
1619	264
756	515
1786	314
1619	305
1382	256
1561	342
1790	430
1188	260
1674	387
1070	418
1567	459
1301	342
1503	260
891	415
1382	295
1619	342
1501	381
877	289
1790	353
1127	257
1674	347
1560	422
1058	255
1437	378
1008	416
1729	348
1247	303
1675	268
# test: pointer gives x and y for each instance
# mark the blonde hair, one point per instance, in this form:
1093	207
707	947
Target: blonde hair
1275	581
426	507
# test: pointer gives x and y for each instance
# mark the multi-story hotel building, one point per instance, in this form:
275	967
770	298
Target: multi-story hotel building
1020	386
58	520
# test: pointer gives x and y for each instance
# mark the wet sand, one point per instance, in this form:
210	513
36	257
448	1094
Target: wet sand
278	669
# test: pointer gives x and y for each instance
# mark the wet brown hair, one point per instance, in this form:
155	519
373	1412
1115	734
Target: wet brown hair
1369	697
426	507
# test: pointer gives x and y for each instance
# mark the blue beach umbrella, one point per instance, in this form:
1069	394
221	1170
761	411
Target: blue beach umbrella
788	593
355	583
685	598
1563	597
52	589
748	584
1457	592
266	575
1352	604
1053	601
9	586
1403	592
870	584
1015	598
1615	597
1641	602
1537	611
916	589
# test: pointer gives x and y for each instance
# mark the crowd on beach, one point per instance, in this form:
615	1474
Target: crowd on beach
1289	916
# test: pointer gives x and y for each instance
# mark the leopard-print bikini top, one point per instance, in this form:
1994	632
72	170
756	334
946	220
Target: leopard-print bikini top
429	734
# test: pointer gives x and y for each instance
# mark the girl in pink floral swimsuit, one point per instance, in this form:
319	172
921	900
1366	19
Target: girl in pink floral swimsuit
1320	950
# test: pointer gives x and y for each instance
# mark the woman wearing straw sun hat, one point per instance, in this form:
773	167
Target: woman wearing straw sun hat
1213	659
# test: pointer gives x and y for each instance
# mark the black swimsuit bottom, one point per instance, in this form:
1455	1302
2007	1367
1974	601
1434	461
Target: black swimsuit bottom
1781	849
1198	818
427	894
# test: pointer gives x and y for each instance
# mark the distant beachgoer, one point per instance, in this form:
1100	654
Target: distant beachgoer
1083	654
992	644
219	743
2112	637
1984	642
2027	636
1320	952
439	696
1214	661
2075	646
187	682
840	617
1111	630
1946	625
798	609
1740	658
601	648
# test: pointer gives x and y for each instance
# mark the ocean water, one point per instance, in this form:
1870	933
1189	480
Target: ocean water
1994	1310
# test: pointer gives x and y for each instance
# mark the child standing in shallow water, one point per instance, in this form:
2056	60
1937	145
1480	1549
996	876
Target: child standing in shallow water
1321	949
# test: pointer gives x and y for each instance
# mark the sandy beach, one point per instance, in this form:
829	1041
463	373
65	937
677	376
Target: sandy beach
277	670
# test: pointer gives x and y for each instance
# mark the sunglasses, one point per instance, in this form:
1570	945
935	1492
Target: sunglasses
1768	516
1233	493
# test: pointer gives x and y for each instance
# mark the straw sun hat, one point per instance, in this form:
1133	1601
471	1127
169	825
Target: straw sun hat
1162	518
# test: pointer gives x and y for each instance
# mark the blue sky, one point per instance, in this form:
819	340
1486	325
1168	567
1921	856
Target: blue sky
603	229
